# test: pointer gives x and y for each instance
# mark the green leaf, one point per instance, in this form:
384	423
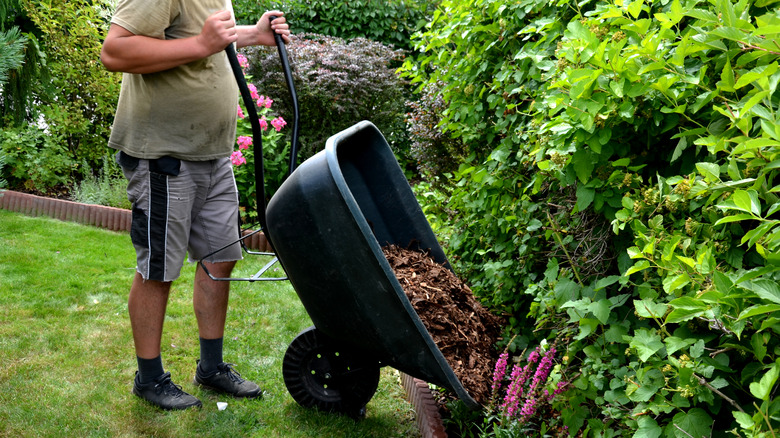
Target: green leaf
650	309
681	315
694	423
710	171
672	283
727	79
649	383
758	310
606	281
687	303
758	345
763	387
674	343
583	165
766	289
745	420
646	343
601	310
635	8
747	200
648	428
755	74
734	218
585	196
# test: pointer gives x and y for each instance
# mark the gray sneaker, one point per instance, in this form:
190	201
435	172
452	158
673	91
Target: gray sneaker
163	393
227	380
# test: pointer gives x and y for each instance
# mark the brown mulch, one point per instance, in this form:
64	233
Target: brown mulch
464	331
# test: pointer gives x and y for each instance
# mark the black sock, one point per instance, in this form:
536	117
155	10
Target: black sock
149	369
210	354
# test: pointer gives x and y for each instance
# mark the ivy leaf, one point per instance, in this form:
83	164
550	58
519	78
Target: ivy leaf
649	384
694	423
646	343
648	428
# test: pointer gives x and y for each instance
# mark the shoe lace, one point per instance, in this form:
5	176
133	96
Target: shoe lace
228	369
165	385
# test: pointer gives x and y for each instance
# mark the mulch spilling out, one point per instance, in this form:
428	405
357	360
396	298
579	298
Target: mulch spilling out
461	327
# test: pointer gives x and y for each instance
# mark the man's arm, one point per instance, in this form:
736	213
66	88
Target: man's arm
262	33
127	52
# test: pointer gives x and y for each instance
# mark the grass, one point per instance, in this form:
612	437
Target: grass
67	362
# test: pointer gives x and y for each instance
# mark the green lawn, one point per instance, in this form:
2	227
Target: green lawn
67	362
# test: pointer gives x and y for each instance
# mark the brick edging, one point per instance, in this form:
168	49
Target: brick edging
419	395
426	410
101	216
111	218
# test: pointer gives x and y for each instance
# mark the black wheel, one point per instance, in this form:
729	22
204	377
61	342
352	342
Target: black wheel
320	374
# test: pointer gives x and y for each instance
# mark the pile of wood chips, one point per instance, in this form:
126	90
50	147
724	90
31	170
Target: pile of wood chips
461	327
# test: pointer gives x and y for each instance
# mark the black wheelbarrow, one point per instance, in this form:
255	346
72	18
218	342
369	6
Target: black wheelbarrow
327	224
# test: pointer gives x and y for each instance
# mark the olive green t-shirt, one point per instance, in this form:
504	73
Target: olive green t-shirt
187	112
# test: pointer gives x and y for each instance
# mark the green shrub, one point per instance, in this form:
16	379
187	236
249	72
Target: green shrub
655	121
108	187
388	22
80	109
34	159
434	153
338	83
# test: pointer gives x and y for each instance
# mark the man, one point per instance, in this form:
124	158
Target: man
174	131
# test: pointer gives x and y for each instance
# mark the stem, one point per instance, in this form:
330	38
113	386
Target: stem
563	247
680	429
704	382
765	419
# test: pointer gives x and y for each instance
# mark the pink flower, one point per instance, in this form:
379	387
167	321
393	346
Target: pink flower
263	123
265	101
240	112
278	123
242	61
500	370
244	142
253	91
237	158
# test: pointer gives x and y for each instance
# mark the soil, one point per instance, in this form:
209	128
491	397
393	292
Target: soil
464	330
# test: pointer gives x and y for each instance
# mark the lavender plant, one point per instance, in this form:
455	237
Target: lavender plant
521	396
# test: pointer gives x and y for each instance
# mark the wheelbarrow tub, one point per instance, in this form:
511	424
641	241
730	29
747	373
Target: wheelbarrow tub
328	222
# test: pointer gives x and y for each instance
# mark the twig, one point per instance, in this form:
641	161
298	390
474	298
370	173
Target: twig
704	382
680	429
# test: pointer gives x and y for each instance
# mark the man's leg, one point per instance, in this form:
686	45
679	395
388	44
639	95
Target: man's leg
146	305
210	301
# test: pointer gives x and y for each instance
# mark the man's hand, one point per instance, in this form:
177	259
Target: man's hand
262	33
218	32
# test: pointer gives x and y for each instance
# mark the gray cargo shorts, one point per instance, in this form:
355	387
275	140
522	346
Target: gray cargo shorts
179	207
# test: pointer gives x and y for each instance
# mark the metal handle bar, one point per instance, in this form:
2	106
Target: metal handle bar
257	136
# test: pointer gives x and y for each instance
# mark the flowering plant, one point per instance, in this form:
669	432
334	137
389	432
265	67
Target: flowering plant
275	150
528	390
